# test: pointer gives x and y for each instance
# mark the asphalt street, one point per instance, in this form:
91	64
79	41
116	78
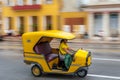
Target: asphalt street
13	68
105	63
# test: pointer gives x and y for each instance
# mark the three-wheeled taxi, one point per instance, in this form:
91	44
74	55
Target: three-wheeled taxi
45	59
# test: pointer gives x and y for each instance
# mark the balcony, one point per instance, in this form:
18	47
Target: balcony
26	7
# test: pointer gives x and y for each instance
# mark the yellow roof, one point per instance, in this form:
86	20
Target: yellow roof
50	33
31	38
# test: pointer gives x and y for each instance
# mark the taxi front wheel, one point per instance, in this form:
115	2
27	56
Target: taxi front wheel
36	71
82	73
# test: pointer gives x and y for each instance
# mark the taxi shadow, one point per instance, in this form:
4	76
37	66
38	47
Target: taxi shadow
62	77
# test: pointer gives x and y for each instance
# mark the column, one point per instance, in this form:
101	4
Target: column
119	23
6	23
90	24
40	23
26	24
14	23
18	24
106	24
54	22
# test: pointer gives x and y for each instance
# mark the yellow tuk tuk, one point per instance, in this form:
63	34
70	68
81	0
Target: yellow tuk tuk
45	59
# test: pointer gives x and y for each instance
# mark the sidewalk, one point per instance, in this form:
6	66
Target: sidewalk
92	45
12	39
11	45
89	41
77	40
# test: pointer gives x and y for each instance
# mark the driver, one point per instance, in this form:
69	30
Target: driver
65	53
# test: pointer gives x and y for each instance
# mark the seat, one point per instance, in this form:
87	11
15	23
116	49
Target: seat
62	57
45	49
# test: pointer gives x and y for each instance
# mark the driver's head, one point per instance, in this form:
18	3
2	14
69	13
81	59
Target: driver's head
63	40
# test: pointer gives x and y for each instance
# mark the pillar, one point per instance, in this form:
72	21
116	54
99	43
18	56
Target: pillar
14	24
90	24
54	22
40	23
26	24
106	24
119	23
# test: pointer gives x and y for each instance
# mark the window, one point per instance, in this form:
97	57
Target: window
34	1
49	1
78	3
114	24
20	2
8	2
97	23
24	2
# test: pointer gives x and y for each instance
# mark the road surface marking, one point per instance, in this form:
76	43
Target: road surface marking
105	50
103	76
103	59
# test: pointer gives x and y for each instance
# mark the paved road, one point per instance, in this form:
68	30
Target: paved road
104	67
105	63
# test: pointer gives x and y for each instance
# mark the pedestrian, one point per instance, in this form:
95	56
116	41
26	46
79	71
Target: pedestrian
101	34
1	37
10	32
85	35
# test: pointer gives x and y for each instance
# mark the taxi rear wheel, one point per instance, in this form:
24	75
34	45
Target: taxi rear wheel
36	71
82	73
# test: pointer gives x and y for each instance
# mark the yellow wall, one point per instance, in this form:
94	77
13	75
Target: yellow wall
46	10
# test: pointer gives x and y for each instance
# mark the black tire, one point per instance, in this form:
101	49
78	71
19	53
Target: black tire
36	71
82	73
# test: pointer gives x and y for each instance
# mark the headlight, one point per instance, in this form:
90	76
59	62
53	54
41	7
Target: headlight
88	59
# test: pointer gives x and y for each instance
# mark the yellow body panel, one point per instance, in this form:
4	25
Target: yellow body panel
55	61
37	59
79	60
81	57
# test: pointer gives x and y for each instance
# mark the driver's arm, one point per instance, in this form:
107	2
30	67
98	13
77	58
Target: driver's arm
67	50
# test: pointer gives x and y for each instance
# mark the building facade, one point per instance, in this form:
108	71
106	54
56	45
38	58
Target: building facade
73	19
31	15
1	28
103	18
